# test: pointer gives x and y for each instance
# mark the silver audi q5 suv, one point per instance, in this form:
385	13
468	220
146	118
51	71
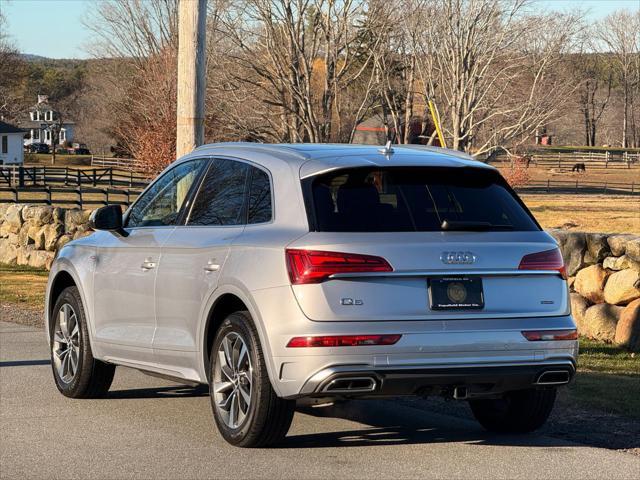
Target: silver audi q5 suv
284	273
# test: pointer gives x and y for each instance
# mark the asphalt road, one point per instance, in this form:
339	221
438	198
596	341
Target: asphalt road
149	428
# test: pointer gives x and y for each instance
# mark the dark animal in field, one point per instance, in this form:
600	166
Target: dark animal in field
579	167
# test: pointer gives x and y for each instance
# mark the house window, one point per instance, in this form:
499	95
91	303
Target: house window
35	134
5	144
63	135
47	135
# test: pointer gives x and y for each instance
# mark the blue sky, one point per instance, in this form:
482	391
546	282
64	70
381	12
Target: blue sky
53	28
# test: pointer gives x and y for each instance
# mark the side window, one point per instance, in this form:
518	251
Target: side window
259	207
220	200
161	204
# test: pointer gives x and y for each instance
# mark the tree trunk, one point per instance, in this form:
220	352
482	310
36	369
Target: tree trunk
408	110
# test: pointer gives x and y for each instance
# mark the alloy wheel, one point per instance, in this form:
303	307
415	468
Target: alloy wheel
66	343
233	380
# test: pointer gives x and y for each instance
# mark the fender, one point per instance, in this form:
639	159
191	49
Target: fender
64	263
242	293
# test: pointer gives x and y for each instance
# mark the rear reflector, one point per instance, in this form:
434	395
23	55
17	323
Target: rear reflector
549	335
313	266
343	341
547	260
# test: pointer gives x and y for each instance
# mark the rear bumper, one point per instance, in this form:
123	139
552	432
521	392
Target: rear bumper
460	381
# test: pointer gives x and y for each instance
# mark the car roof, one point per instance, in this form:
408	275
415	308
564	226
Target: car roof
314	158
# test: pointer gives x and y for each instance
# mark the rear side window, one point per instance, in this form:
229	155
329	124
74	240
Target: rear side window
259	207
408	199
221	197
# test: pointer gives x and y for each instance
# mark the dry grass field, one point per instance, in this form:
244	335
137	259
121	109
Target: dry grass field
587	213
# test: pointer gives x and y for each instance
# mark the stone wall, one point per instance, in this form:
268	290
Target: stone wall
31	234
603	270
604	278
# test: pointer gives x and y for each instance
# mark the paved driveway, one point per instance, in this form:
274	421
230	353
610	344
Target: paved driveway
149	428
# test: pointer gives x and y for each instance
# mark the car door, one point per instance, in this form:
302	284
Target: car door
126	266
194	255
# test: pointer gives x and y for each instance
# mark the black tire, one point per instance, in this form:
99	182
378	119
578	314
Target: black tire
521	411
92	378
268	417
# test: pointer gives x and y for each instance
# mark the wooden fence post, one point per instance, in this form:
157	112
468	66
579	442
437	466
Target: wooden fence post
48	190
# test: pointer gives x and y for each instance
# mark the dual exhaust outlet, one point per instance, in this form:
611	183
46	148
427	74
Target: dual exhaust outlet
370	383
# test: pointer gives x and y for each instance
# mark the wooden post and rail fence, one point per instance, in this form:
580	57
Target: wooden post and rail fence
81	187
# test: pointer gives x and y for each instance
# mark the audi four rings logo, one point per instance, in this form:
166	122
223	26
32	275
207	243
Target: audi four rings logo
457	258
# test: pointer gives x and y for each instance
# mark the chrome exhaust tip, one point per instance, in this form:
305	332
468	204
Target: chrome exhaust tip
553	377
351	385
460	393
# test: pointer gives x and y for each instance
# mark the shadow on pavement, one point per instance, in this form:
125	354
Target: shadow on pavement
24	363
398	425
160	392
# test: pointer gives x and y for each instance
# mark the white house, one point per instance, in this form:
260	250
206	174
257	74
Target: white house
41	117
11	149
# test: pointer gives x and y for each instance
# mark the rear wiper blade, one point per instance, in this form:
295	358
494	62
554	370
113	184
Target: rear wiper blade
453	225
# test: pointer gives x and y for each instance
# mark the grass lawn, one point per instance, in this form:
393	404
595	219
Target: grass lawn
62	160
22	286
608	379
586	213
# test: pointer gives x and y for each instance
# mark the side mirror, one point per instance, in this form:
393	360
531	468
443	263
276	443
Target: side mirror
108	218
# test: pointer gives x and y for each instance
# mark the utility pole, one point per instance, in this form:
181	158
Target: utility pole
192	19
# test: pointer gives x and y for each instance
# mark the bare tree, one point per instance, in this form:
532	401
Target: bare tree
296	56
12	68
139	37
595	73
493	69
619	34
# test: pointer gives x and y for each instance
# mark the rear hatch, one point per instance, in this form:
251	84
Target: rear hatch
447	235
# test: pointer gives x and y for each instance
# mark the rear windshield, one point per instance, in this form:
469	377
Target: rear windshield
423	199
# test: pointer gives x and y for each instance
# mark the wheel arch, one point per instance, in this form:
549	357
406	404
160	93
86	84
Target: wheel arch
223	302
63	275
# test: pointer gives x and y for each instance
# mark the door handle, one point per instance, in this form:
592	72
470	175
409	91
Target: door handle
211	266
148	264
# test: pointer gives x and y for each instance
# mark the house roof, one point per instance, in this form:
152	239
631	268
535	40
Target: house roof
8	128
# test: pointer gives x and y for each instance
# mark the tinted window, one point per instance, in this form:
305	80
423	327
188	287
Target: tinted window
415	199
220	200
259	207
160	205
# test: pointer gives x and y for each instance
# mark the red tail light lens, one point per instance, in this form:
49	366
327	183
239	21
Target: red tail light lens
548	335
313	266
343	341
547	260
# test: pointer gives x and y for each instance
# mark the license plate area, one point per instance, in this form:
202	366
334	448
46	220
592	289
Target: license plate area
455	293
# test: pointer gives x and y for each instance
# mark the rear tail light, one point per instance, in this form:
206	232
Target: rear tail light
547	260
313	266
549	335
343	341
